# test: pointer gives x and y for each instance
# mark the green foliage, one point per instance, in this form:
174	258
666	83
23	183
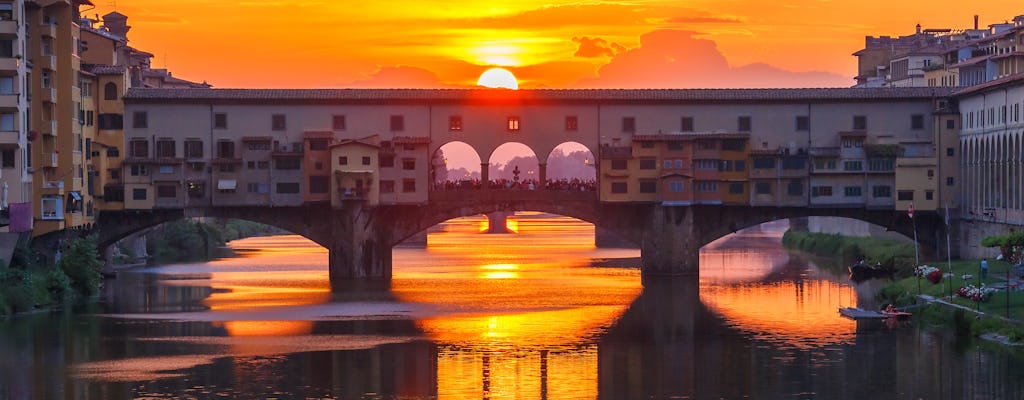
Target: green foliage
874	250
184	240
81	262
1010	239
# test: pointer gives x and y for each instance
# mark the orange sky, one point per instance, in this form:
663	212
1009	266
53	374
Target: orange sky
435	43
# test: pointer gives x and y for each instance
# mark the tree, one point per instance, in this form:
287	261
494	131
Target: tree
1011	246
81	262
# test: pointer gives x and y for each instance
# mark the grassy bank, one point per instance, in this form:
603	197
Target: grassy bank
850	249
27	283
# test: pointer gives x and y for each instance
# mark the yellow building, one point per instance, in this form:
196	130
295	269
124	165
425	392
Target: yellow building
354	166
59	179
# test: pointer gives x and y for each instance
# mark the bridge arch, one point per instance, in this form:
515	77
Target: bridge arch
571	160
513	162
455	163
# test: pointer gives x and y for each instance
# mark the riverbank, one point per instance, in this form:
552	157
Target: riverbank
28	283
997	314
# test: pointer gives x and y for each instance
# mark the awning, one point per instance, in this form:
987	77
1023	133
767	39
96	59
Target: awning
227	184
75	195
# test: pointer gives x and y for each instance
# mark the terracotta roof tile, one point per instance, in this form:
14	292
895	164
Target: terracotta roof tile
376	96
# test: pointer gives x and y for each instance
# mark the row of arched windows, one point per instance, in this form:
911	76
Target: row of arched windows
992	171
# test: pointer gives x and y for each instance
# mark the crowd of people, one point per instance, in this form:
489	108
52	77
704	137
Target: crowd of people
574	184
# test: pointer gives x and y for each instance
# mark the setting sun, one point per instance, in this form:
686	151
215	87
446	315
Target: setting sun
498	78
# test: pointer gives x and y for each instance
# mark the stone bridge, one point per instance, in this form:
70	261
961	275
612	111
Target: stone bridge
360	238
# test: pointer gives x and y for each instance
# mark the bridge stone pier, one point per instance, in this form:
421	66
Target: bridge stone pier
360	238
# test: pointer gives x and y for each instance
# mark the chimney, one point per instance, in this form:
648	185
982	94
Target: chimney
918	31
975	21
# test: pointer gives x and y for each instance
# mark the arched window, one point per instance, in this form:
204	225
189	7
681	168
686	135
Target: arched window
110	91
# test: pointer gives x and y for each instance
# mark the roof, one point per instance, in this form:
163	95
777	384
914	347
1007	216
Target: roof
1006	80
392	96
410	140
257	138
970	61
102	69
352	142
690	136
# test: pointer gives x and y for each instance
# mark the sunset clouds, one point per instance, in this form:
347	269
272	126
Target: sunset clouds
628	43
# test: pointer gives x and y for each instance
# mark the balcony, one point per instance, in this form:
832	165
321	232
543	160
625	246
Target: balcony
52	188
10	63
49	160
48	95
8	28
47	30
9	101
608	152
46	62
9	137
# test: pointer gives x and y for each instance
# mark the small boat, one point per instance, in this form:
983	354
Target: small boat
861	270
860	313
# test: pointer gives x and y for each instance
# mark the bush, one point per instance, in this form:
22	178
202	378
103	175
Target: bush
80	261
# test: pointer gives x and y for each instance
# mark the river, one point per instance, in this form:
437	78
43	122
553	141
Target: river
539	314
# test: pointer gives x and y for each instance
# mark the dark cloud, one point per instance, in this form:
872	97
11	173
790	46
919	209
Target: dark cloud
678	59
400	76
703	20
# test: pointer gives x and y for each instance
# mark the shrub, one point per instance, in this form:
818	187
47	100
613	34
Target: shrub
80	261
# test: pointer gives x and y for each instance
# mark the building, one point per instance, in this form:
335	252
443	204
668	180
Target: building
15	92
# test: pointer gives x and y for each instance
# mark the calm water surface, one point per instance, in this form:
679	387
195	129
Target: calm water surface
538	314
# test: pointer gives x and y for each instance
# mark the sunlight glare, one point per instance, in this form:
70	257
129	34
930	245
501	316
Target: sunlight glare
498	78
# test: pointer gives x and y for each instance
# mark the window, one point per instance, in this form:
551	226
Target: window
318	184
881	164
338	122
166	191
619	164
803	123
288	163
620	187
648	163
7	85
397	123
764	163
139	148
629	124
408	185
196	190
225	149
571	123
949	151
258	146
51	207
949	181
860	123
318	145
342	160
725	165
226	168
905	195
366	160
111	121
278	122
139	170
387	186
7	122
679	164
929	194
736	188
408	164
686	124
674	146
667	164
513	124
705	186
950	124
6	11
193	148
110	91
139	194
853	166
821	191
90	118
931	173
675	186
140	120
734	144
7	158
743	124
455	123
706	164
795	187
220	121
917	122
165	148
288	187
763	188
740	165
387	161
851	191
793	163
707	144
881	191
648	186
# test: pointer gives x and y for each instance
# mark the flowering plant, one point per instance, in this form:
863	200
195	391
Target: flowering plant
934	277
975	293
922	271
